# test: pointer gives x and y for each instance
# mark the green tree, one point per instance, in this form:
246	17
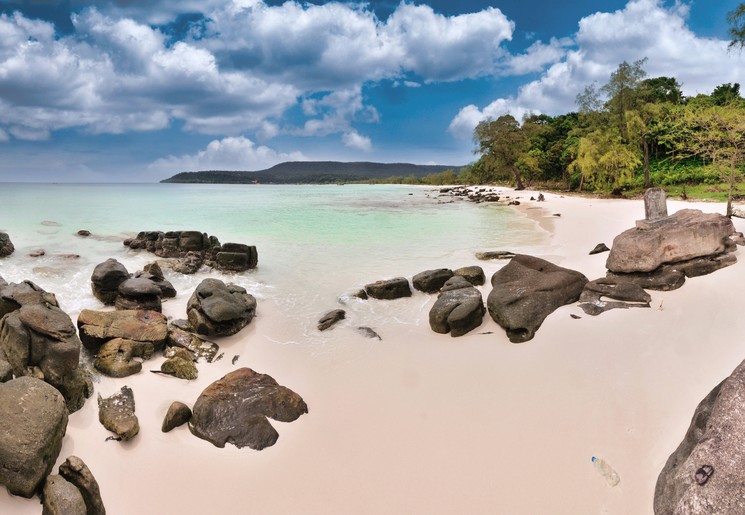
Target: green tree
622	92
725	94
736	21
661	89
502	143
603	161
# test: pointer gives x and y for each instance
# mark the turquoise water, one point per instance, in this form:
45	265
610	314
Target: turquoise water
314	242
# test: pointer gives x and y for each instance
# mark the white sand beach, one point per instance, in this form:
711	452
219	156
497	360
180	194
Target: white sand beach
424	423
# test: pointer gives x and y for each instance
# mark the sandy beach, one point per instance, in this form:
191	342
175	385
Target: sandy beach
426	423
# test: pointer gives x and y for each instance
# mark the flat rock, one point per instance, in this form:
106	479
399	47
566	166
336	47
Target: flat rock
60	497
98	327
527	290
624	294
77	472
178	414
473	274
663	279
33	422
331	318
117	414
430	281
494	254
234	410
15	295
200	348
389	289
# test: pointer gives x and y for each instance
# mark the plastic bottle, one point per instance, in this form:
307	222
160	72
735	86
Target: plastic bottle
605	470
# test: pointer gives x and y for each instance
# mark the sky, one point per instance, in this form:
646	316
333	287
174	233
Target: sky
139	90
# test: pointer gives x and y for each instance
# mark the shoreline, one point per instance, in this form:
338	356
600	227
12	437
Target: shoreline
426	423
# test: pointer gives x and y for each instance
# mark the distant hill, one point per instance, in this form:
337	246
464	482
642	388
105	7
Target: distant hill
310	172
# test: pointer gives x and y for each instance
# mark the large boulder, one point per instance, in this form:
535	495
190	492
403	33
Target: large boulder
389	289
459	308
430	281
6	246
106	278
15	295
219	309
33	422
234	410
117	414
77	472
121	358
138	293
706	473
474	274
685	235
60	497
527	290
40	339
98	327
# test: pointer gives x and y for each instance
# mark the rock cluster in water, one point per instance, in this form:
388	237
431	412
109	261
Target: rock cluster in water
195	249
112	284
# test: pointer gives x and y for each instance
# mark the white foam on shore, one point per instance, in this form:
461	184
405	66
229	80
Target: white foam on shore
426	423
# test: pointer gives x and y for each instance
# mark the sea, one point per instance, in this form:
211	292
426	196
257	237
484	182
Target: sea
316	244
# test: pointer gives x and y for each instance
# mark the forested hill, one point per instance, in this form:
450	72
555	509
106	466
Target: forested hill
313	172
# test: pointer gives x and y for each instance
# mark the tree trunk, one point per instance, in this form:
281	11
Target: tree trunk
518	179
646	163
731	187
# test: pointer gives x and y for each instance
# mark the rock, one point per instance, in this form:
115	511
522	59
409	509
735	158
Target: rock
236	257
84	233
42	338
37	253
714	439
430	281
181	367
457	310
217	309
362	294
77	472
6	246
178	414
13	296
98	327
738	239
389	289
663	279
626	295
61	497
368	332
117	414
234	410
331	318
138	293
116	358
33	422
6	371
527	290
180	338
655	204
599	248
494	254
189	264
474	274
686	235
105	280
154	270
167	291
704	265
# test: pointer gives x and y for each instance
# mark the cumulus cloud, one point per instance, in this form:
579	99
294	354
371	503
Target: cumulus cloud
232	153
643	28
356	141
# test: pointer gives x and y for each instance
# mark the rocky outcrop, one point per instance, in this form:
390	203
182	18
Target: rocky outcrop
459	308
77	473
33	422
234	410
389	289
430	281
40	340
60	497
685	235
714	440
231	257
106	278
138	293
117	414
112	284
663	279
98	327
219	309
329	319
473	274
6	246
178	414
15	295
527	290
624	294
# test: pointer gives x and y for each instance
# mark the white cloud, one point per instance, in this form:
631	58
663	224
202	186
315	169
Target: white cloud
233	153
644	28
538	55
356	141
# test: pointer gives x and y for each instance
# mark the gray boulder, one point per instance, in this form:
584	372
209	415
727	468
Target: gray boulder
15	295
6	246
686	235
117	414
98	327
714	439
178	414
234	410
189	264
106	278
33	422
331	318
138	293
77	472
430	281
527	290
389	289
6	371
60	497
458	309
217	309
474	274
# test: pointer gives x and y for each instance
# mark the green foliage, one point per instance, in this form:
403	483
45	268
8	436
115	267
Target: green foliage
604	162
736	21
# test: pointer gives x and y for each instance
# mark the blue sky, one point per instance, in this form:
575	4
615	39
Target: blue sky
138	90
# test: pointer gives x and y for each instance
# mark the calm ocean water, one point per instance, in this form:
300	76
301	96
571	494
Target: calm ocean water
315	243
